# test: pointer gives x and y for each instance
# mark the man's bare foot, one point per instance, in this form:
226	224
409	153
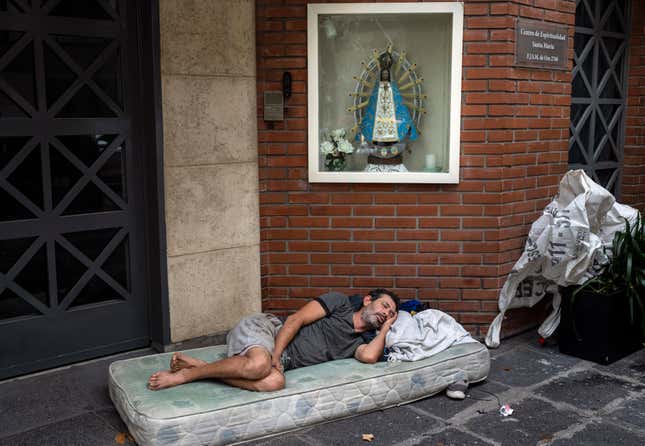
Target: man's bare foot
181	361
165	379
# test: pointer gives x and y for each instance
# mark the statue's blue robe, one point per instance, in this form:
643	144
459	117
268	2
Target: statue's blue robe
405	126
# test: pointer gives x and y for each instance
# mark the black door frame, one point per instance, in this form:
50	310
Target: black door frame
154	219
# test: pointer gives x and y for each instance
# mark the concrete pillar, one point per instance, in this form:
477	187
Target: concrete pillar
210	163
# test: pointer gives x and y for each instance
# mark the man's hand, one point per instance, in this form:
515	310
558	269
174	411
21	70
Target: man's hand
388	323
370	353
275	362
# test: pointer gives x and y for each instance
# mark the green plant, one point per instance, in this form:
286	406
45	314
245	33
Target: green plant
626	271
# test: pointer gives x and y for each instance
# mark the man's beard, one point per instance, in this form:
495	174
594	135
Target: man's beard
370	318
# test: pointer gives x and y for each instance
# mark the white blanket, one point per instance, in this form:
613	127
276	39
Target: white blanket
425	334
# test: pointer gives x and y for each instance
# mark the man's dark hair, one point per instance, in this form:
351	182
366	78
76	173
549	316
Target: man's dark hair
379	292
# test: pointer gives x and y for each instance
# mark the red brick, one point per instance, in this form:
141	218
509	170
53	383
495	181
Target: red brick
415	282
284	11
351	247
320	222
422	259
374	258
417	234
457	306
437	294
374	210
396	198
373	282
489	47
459	259
456	235
489	22
395	223
330	210
331	258
330	234
440	222
308	293
352	270
285	234
308	197
385	271
291	304
352	222
438	270
459	282
330	281
287	281
349	198
480	294
374	235
287	258
308	269
309	246
396	247
471	9
439	247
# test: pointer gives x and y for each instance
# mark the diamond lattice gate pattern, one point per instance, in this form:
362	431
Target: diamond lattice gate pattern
70	229
599	90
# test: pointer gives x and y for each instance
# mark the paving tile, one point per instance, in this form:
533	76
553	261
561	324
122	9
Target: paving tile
60	394
632	411
280	440
390	426
83	430
112	419
532	420
632	366
445	408
602	434
43	399
450	437
527	338
524	367
587	390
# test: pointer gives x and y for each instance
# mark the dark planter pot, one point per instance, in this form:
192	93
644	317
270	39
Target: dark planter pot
603	332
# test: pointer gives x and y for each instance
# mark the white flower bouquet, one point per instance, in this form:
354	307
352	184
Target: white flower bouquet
335	148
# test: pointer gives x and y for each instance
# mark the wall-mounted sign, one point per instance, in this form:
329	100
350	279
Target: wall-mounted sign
273	106
541	45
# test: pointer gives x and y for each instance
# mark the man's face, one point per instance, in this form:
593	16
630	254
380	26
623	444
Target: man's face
378	311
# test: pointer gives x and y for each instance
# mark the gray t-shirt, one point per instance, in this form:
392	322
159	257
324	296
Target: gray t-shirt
329	338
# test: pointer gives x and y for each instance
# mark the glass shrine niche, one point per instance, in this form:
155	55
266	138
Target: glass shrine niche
384	92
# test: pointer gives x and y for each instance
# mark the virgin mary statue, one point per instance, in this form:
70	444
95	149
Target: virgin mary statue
387	120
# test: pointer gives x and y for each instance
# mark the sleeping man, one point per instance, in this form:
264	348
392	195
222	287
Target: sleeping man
261	347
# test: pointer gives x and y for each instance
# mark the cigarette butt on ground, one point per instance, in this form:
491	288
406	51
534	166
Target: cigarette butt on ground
368	437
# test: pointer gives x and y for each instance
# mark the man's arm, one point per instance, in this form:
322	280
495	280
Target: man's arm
370	353
309	313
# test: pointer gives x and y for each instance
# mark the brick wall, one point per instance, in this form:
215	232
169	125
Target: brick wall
451	245
633	187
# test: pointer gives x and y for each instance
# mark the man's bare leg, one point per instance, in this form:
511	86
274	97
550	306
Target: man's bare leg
181	360
274	381
255	365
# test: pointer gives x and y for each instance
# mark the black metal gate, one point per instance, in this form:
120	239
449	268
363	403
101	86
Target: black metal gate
71	247
599	90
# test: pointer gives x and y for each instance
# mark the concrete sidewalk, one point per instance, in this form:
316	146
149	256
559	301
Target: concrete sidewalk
557	400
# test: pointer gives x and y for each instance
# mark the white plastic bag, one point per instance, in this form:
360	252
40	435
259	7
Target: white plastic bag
564	247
